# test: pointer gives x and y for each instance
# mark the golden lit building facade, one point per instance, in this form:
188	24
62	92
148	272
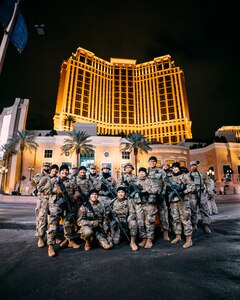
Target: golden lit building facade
121	96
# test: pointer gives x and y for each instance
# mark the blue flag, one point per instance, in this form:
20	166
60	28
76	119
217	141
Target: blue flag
19	35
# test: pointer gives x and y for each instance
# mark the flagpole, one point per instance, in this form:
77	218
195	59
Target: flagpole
7	35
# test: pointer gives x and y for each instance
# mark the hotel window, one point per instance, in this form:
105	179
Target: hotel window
125	155
48	153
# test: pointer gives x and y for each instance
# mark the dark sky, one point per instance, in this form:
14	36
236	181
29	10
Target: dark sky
202	38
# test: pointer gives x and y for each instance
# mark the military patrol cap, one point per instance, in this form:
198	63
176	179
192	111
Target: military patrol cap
106	166
142	169
129	165
152	158
93	167
64	167
194	162
121	188
176	165
46	164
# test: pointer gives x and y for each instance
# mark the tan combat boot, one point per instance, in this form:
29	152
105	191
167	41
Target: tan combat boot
105	245
40	243
73	245
148	244
143	243
206	229
188	242
87	246
64	243
177	239
133	245
165	235
51	251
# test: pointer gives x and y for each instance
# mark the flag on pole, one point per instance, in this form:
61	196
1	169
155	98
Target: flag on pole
19	34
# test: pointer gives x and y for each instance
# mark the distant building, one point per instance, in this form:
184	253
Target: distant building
231	133
121	96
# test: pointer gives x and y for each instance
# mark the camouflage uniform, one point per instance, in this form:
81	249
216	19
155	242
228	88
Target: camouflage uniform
125	211
88	231
212	206
146	207
158	175
199	197
104	196
41	210
54	191
180	208
84	185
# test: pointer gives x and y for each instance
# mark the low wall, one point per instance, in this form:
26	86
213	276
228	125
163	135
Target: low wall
17	199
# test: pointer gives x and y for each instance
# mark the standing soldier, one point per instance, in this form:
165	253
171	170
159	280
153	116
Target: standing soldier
42	204
63	193
199	197
35	181
158	175
91	219
108	185
179	186
124	209
94	177
212	206
127	178
146	209
84	184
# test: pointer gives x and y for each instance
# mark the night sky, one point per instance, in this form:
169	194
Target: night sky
202	38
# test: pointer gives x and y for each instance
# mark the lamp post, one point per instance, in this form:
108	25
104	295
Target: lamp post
211	173
117	171
30	172
3	171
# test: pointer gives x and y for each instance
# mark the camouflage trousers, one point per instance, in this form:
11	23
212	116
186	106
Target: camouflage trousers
89	233
41	217
181	217
212	206
116	233
202	209
55	213
146	214
163	215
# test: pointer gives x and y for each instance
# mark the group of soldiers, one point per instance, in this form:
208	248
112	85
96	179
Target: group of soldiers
104	211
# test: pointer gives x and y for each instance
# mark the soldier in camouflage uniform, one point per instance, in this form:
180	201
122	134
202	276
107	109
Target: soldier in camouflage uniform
127	177
158	175
35	181
212	206
94	177
91	220
84	184
107	191
126	214
57	210
146	208
199	197
42	206
179	186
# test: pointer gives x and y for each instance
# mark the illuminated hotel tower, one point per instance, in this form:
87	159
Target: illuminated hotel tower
121	96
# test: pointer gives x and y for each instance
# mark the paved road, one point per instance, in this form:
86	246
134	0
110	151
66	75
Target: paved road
208	270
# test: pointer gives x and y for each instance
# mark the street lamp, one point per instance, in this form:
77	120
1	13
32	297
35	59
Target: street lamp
211	173
30	172
3	172
117	171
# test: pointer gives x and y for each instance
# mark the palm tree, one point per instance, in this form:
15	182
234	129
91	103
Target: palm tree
77	143
8	150
135	142
25	140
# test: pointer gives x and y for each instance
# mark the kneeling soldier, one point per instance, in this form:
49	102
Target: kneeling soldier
91	219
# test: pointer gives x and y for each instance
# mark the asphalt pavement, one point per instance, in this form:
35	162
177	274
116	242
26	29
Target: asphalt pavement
208	270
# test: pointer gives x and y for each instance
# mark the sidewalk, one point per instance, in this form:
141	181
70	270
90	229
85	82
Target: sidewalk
17	199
